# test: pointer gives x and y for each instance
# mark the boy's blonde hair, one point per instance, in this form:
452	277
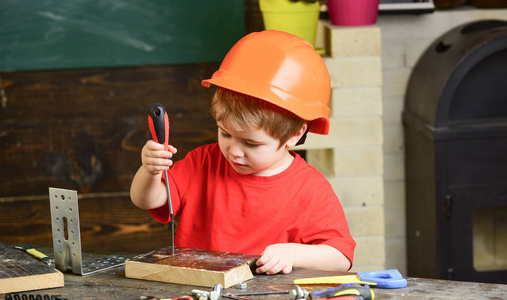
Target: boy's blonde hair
239	112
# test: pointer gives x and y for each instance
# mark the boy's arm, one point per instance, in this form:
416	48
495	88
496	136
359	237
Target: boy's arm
284	257
325	244
147	190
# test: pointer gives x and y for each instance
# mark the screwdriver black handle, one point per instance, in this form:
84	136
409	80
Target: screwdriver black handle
159	124
347	289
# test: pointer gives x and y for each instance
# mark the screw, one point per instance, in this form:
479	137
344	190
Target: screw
216	292
200	295
298	293
241	286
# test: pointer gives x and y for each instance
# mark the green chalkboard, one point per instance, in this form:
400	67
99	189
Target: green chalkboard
62	34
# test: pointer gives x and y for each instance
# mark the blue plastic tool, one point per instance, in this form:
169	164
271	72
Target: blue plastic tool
388	279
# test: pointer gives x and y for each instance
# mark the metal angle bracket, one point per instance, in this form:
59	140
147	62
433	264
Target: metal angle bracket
67	237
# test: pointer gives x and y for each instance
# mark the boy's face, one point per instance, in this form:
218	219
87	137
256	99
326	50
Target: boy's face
253	151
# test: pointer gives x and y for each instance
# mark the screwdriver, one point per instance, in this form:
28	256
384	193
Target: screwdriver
347	291
359	290
159	128
30	250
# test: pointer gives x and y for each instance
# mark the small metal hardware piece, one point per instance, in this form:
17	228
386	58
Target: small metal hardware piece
232	296
67	236
263	293
216	292
241	286
298	293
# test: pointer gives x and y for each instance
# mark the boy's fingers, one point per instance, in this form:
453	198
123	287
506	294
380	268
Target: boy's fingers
154	145
287	269
268	265
262	260
157	153
279	266
273	261
156	165
173	149
274	270
263	268
160	154
160	162
151	144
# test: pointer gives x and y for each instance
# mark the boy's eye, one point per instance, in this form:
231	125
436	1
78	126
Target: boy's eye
248	144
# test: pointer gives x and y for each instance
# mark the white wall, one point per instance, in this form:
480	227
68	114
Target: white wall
363	156
351	155
404	39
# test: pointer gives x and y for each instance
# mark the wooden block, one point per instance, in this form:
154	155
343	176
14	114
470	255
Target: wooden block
352	40
21	272
191	267
354	71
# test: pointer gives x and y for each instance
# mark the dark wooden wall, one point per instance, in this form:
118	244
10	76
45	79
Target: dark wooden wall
83	130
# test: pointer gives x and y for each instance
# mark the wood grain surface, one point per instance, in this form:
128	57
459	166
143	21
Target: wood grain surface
83	129
191	266
20	271
114	285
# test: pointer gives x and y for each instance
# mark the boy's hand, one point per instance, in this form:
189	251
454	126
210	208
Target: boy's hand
276	258
284	257
155	158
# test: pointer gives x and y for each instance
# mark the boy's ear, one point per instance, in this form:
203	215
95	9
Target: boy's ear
295	139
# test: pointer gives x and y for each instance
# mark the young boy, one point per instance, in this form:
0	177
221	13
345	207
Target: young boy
249	193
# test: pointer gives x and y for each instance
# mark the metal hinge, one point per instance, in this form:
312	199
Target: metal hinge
67	236
447	209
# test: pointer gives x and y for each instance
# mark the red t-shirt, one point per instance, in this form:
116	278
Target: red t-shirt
223	210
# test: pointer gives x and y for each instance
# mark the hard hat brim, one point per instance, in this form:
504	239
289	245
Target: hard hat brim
272	94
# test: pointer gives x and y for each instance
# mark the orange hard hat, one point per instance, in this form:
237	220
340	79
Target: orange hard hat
282	69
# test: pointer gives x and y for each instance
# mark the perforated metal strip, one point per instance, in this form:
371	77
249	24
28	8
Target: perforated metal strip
67	236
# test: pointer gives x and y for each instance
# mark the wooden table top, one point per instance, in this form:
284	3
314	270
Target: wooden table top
112	284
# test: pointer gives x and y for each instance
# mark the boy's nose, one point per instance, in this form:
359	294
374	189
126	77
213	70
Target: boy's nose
236	150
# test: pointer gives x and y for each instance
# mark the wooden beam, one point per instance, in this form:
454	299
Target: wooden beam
21	272
83	129
192	267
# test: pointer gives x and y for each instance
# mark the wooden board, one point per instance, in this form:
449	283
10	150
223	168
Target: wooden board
192	267
83	130
21	272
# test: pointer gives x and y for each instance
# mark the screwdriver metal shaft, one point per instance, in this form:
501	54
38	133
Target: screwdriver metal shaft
171	214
